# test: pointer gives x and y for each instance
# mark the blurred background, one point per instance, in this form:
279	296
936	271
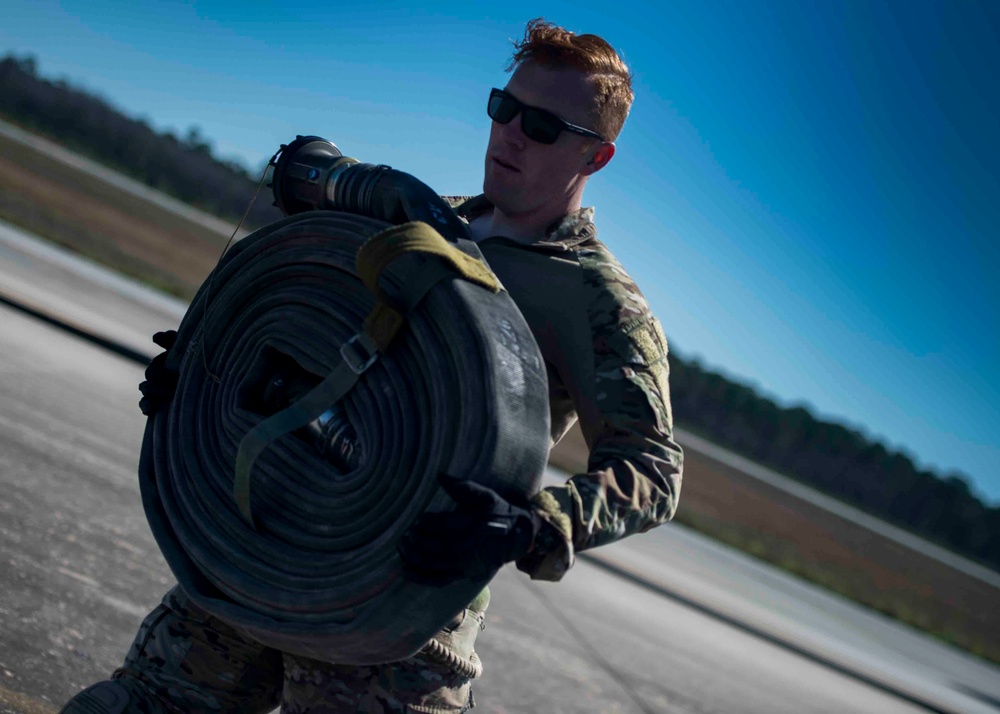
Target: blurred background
808	194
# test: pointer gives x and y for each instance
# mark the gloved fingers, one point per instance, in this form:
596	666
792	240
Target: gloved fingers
432	578
467	494
438	563
151	403
157	367
441	538
518	540
158	370
471	542
452	524
420	556
158	388
165	339
422	552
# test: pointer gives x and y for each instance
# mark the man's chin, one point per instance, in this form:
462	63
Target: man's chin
501	201
502	197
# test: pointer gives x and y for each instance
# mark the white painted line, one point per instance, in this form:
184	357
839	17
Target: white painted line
89	270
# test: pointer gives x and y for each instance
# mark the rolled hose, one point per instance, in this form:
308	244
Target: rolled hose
461	390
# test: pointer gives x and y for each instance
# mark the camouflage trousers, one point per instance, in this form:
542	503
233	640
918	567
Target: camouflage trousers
184	660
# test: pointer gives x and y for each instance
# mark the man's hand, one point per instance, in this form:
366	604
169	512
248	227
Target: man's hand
161	382
484	533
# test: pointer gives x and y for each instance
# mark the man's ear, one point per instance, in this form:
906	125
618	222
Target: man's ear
600	157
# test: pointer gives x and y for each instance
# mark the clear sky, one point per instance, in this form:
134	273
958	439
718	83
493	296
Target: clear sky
807	192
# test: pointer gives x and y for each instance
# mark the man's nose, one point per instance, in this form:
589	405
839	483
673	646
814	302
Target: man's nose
511	131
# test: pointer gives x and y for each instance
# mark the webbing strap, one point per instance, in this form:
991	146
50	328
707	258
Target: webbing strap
388	245
336	384
380	327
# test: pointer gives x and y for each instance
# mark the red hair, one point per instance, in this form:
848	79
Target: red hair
554	46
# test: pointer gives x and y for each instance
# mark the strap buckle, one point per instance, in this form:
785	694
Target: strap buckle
359	352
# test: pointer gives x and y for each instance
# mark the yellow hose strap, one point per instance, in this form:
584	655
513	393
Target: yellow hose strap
295	416
384	321
383	248
381	325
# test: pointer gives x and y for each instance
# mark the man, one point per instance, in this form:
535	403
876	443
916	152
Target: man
553	127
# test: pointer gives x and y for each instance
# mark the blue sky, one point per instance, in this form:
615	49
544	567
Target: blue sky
807	192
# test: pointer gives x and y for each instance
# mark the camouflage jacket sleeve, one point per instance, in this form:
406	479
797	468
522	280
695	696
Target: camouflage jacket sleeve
614	368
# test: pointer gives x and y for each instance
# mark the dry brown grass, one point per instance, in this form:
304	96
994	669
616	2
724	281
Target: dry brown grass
104	223
828	550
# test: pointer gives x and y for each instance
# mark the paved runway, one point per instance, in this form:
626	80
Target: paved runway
663	622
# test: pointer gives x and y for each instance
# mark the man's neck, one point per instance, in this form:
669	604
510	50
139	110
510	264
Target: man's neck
523	228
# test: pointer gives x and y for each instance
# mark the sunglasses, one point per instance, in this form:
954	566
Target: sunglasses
537	124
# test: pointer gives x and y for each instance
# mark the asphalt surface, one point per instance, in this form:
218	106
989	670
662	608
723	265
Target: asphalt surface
80	570
664	622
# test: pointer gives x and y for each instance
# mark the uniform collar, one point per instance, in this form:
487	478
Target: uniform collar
565	234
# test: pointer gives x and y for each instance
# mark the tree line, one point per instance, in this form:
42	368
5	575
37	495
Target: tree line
183	167
828	456
836	459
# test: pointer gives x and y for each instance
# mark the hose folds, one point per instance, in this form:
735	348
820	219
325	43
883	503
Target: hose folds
296	552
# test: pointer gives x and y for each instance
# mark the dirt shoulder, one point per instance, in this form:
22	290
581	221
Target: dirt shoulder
828	550
101	222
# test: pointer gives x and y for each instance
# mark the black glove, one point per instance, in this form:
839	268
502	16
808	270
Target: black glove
473	542
161	382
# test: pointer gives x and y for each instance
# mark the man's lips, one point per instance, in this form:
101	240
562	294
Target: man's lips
505	164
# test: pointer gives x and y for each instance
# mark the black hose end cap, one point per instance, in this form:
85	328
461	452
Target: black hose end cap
312	150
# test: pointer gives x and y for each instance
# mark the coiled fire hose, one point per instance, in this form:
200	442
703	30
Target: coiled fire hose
429	364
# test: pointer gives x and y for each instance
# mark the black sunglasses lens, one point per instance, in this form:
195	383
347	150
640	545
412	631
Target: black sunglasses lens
540	126
501	108
537	124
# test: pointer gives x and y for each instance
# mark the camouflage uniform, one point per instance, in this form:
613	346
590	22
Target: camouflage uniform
184	660
606	358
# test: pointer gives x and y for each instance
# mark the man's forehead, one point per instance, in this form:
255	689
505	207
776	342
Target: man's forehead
561	90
